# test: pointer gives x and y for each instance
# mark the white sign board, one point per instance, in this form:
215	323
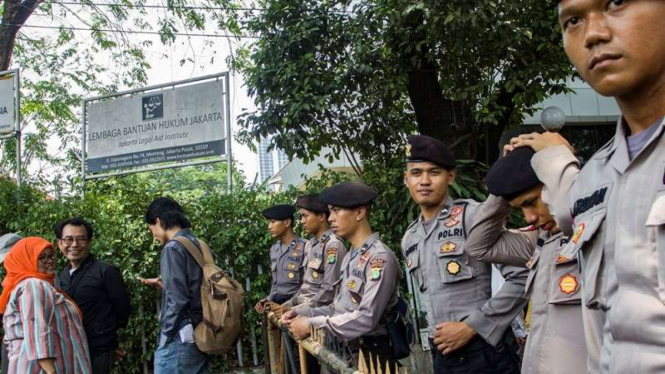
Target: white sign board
7	122
170	125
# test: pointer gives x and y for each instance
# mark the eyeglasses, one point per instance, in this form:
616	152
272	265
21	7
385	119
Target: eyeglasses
45	259
68	240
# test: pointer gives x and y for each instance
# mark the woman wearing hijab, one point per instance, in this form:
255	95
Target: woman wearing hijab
43	327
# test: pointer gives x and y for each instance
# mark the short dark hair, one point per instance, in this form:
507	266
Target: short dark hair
75	221
169	212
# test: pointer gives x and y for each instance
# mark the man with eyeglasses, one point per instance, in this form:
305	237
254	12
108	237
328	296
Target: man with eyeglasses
98	289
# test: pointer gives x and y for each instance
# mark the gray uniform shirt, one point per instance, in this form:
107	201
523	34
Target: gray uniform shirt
367	289
323	260
616	214
454	286
287	266
556	342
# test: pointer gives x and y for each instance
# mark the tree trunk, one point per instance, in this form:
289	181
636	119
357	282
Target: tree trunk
15	13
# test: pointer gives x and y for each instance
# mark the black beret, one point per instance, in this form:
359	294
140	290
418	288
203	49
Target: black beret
425	148
348	195
312	203
279	212
512	175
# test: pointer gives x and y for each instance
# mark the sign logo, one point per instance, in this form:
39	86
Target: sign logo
153	106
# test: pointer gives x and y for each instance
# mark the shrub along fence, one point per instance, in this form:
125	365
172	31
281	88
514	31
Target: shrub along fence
231	223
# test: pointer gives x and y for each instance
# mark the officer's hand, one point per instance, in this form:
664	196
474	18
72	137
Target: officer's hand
451	336
260	306
154	282
287	317
537	141
119	353
299	327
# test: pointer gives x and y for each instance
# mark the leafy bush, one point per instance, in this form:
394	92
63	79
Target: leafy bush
231	223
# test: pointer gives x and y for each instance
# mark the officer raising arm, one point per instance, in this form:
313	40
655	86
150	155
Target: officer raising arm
615	207
369	281
556	337
286	255
466	323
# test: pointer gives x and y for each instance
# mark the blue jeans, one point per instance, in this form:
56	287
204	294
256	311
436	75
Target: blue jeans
180	358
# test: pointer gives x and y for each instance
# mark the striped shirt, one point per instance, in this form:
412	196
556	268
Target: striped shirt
42	323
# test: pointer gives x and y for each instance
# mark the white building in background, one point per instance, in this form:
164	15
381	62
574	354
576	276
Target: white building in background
270	162
583	107
295	172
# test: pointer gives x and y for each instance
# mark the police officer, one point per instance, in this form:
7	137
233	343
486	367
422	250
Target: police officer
369	283
466	324
286	255
614	208
556	337
323	254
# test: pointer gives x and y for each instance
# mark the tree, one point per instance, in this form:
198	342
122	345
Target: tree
85	48
363	76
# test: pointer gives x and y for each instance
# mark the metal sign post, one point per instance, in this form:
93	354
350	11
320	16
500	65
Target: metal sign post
7	131
158	127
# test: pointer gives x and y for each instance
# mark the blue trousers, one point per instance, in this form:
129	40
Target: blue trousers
180	358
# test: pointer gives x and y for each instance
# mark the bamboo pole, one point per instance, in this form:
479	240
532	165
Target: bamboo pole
313	344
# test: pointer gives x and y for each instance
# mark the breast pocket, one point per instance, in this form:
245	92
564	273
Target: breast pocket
588	238
656	239
355	286
453	263
565	282
314	273
292	272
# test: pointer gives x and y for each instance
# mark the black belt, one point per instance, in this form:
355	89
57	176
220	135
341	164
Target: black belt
281	299
370	342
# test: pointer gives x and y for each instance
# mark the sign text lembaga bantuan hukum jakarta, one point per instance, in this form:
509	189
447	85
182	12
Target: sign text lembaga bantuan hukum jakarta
165	126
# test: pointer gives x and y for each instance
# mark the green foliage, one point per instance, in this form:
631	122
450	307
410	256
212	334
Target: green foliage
337	73
231	223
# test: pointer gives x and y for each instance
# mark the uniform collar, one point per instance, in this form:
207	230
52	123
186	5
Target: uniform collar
618	151
368	242
326	235
444	213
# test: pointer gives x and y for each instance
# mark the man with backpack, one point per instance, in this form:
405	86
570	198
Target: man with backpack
181	279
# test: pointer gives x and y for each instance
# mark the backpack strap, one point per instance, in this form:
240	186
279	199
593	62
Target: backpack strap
202	257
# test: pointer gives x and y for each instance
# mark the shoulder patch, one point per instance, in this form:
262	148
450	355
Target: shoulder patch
376	267
331	254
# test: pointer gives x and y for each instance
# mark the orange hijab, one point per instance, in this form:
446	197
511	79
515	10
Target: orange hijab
21	263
